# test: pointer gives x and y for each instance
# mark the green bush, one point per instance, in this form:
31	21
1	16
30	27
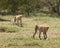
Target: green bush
10	29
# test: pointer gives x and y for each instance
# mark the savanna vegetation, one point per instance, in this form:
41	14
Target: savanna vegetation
34	12
13	36
28	7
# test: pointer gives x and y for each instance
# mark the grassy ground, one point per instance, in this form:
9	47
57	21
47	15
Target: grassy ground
21	37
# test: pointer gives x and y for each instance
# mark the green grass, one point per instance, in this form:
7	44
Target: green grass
21	37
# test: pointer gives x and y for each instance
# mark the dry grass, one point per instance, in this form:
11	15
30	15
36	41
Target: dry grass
22	37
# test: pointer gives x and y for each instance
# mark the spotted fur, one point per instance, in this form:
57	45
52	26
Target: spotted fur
18	19
41	28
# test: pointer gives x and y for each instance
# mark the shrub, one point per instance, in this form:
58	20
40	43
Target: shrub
10	29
